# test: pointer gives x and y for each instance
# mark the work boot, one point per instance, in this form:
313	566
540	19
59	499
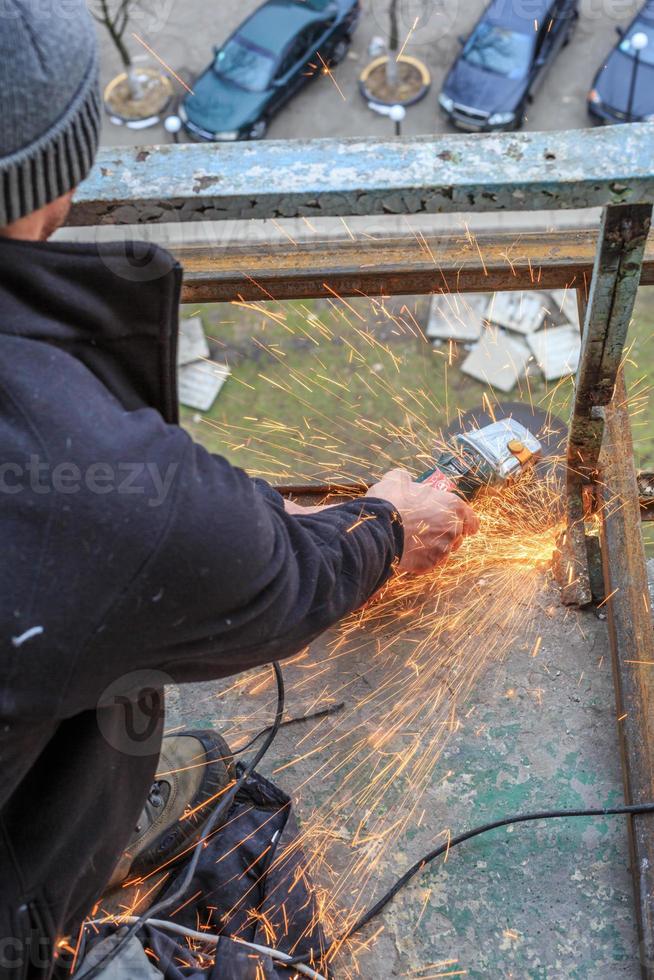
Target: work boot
194	769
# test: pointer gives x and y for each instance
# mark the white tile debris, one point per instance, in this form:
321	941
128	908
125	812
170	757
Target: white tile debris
192	342
549	322
519	311
556	351
497	359
457	316
200	384
564	307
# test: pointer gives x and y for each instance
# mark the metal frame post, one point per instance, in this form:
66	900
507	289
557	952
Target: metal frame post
631	635
613	289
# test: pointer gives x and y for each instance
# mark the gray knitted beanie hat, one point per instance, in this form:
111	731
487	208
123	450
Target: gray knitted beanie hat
49	102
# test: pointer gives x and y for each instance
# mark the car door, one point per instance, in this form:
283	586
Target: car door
322	43
550	36
296	65
563	15
287	80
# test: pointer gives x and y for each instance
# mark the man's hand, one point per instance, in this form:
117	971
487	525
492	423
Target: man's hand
435	523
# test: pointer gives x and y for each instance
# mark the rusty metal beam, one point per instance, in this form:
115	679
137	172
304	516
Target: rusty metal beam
322	489
606	317
401	265
415	175
347	490
632	645
614	285
572	565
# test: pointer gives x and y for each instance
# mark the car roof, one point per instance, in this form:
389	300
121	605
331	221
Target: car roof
277	21
517	16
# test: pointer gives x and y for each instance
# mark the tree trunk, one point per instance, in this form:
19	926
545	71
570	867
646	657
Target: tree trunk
116	35
125	56
135	84
393	46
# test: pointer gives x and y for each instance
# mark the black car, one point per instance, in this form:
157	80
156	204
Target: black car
623	89
264	62
503	62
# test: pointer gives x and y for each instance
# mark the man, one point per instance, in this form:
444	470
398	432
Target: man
131	556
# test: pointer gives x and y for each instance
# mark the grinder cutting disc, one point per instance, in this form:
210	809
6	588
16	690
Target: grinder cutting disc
551	432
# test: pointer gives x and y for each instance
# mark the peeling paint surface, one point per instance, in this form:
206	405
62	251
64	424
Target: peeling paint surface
291	178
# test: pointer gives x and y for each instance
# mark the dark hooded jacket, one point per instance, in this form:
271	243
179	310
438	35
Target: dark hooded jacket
131	557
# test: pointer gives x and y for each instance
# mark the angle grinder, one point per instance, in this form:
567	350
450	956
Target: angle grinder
495	455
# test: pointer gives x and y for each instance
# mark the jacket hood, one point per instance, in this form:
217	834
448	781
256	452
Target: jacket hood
113	305
483	90
218	106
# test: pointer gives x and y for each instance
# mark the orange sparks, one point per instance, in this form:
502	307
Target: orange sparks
326	70
406	40
163	63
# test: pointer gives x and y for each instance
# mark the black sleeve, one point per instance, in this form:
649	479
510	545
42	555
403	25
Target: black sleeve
234	581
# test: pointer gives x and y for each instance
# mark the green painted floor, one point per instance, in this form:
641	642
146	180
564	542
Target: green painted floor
545	900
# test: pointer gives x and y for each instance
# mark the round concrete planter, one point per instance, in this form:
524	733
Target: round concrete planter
414	81
124	110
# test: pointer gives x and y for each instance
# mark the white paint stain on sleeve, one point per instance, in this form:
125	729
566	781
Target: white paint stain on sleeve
27	635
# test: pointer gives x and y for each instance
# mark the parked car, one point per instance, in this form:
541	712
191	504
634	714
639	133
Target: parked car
623	89
503	62
264	62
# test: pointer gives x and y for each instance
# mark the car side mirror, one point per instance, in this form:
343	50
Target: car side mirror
462	40
216	49
620	31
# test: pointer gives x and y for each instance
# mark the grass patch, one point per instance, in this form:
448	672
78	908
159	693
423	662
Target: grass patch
323	390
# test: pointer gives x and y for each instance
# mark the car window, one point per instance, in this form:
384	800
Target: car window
245	64
501	51
314	33
647	53
560	11
302	47
545	35
297	50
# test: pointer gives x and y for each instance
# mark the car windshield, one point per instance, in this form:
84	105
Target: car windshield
245	64
500	51
646	52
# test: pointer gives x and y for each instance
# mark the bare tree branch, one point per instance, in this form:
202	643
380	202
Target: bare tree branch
115	17
394	33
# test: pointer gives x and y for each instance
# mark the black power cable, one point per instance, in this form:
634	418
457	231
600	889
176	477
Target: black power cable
314	716
632	810
173	899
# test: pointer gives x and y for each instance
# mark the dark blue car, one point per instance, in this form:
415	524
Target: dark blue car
504	61
265	61
623	89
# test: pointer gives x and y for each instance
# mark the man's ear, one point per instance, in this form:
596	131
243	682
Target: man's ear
42	224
